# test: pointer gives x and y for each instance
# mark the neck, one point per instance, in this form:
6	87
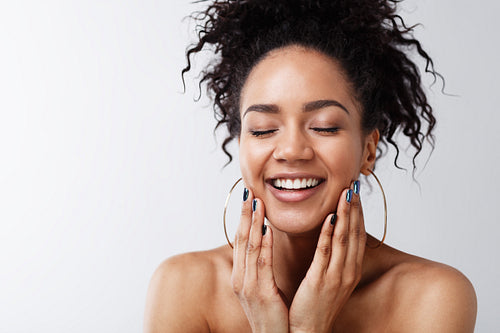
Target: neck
292	257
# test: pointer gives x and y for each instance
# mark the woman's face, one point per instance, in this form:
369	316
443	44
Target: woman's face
301	141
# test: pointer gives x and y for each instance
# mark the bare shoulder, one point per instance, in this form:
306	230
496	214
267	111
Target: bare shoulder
180	290
432	297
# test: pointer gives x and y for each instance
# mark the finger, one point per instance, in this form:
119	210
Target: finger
323	251
241	240
265	272
351	270
254	241
341	233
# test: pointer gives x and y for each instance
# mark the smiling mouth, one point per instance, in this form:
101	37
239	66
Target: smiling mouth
295	184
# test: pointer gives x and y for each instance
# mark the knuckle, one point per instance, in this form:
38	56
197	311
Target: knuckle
266	245
237	286
247	293
261	262
246	211
349	280
355	204
314	283
356	231
352	275
323	249
343	239
335	282
252	247
241	239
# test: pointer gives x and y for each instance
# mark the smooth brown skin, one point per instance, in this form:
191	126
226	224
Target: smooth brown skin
305	275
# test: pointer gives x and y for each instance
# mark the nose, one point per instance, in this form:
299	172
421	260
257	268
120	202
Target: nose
293	145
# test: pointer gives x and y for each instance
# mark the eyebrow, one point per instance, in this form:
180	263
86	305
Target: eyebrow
323	103
308	107
264	108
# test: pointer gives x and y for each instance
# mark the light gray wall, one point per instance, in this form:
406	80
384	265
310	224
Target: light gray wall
106	169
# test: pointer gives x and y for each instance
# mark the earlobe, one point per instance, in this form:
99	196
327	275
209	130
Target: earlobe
370	152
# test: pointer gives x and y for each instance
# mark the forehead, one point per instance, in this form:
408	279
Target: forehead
296	74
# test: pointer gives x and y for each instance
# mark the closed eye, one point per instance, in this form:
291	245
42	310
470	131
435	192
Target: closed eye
261	133
325	129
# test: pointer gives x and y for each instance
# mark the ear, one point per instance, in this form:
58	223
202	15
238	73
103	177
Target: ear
369	152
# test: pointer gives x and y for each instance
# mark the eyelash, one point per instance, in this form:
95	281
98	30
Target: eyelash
260	133
325	129
316	129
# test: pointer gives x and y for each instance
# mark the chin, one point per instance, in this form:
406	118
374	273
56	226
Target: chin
295	222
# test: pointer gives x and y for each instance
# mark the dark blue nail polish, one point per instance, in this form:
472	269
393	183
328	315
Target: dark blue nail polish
245	194
254	205
356	187
264	229
333	219
349	196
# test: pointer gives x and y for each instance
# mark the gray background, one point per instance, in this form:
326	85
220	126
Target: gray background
106	168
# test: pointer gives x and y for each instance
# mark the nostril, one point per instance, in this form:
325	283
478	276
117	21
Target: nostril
293	152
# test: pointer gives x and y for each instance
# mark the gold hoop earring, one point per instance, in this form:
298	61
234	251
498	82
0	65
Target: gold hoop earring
385	211
225	209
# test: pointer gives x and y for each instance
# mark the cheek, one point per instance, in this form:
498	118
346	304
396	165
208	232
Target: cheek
253	158
343	159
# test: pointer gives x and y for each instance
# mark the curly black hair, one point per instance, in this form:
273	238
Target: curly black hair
367	37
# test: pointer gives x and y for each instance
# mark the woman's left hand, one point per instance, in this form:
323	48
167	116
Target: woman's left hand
334	272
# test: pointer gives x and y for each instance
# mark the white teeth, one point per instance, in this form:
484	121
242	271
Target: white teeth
295	184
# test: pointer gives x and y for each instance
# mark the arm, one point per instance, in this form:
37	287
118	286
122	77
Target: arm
174	299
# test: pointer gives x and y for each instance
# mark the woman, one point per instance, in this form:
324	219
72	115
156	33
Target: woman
309	89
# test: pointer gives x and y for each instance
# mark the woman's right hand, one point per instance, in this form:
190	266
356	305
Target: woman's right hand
252	277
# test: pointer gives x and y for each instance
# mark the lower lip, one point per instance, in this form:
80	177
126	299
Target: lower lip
293	195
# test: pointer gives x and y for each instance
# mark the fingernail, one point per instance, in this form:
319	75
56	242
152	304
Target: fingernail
245	194
356	187
254	205
349	196
333	219
264	229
